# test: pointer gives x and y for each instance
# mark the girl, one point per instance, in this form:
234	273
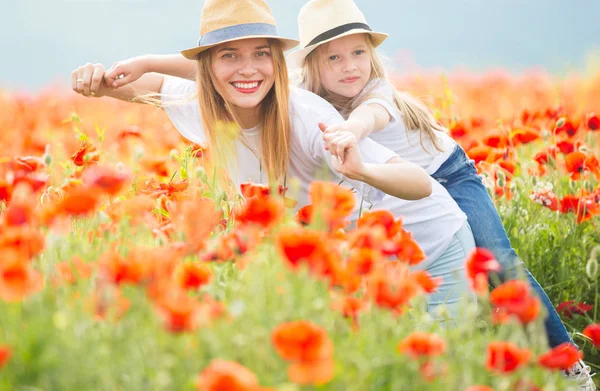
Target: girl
242	80
338	61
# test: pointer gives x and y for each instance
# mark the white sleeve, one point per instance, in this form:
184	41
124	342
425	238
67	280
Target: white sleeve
185	116
382	93
370	151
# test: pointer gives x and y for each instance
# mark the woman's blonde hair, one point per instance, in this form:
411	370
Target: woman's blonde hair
218	116
415	115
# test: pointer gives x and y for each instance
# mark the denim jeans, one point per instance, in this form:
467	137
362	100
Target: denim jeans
459	176
451	267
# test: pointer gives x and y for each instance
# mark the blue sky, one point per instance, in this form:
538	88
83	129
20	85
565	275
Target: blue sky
43	40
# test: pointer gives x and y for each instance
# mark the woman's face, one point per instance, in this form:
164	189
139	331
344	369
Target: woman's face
345	65
243	71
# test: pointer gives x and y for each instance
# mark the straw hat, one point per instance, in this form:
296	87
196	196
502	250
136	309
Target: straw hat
231	20
322	21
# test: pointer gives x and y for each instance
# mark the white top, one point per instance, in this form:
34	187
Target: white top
407	144
308	158
433	221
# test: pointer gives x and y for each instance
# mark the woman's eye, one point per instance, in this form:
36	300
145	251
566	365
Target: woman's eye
228	55
263	54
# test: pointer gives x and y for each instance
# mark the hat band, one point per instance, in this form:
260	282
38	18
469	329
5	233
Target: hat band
334	32
237	31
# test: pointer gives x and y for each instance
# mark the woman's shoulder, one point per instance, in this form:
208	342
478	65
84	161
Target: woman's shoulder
177	86
302	98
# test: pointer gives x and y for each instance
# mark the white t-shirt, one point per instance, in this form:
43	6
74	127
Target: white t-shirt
433	221
308	158
407	144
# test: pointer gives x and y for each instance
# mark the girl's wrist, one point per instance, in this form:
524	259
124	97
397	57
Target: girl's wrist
357	128
147	63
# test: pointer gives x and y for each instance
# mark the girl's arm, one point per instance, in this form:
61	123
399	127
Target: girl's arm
89	80
363	121
396	177
124	72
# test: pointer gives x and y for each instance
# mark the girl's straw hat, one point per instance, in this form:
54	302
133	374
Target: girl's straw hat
231	20
321	21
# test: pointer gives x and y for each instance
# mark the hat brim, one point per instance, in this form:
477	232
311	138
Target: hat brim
296	58
193	52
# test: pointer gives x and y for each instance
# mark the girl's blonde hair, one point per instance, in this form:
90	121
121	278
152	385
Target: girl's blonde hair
416	115
218	116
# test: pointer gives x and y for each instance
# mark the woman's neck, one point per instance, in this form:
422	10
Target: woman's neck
249	117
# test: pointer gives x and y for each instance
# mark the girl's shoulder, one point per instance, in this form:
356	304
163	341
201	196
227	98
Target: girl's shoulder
380	87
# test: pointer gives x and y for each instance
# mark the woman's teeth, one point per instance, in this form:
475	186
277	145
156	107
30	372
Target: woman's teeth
246	86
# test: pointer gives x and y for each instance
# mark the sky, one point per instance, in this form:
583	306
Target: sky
44	40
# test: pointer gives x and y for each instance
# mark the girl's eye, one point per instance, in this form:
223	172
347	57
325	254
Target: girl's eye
263	54
333	58
359	52
228	55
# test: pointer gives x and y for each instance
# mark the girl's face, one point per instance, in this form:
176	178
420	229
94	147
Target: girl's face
243	71
345	65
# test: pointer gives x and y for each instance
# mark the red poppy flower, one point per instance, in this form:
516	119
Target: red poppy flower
566	126
506	357
545	155
223	375
407	249
420	344
513	298
574	164
593	122
264	212
593	332
569	308
523	136
86	154
479	264
428	283
5	354
496	140
563	357
457	130
302	341
18	281
105	178
192	275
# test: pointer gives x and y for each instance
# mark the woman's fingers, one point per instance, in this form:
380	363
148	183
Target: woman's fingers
97	75
74	80
88	72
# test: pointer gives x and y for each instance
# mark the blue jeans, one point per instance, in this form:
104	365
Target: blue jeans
451	267
459	176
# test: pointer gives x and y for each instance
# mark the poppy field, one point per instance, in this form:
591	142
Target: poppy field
128	261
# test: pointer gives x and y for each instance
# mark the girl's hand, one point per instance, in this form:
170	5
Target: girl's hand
122	73
346	159
88	80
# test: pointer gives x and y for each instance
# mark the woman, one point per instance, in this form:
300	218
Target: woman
242	80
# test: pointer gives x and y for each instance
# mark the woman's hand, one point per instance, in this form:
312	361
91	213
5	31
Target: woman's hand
88	80
125	72
346	158
336	137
